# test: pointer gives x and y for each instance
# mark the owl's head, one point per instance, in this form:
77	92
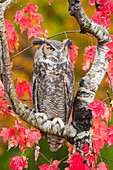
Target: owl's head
53	50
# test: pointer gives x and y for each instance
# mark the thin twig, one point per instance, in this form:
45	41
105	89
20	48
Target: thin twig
110	81
26	99
110	160
48	160
47	38
16	68
65	32
19	5
45	158
22	51
94	156
109	96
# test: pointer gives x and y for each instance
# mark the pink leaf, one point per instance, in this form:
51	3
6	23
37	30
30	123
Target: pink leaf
36	152
21	88
18	163
34	31
102	166
5	134
73	53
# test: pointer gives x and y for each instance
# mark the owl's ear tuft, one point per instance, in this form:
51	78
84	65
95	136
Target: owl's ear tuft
68	42
38	41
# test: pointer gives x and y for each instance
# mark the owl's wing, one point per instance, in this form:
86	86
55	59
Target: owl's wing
69	94
34	92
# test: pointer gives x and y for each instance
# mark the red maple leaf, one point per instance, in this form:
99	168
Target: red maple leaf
73	53
76	162
92	2
49	2
30	9
45	35
25	23
34	31
31	21
12	36
88	57
21	88
18	16
99	108
18	163
36	152
5	134
102	166
27	137
53	166
110	135
86	148
110	52
4	107
102	16
110	72
91	160
38	18
2	94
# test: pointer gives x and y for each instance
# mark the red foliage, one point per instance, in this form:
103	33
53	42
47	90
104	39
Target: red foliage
22	87
102	166
36	152
31	21
110	72
53	166
18	163
25	137
102	16
88	57
3	103
76	162
12	36
101	133
73	53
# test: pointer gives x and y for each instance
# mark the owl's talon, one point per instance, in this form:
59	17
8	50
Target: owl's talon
59	121
42	115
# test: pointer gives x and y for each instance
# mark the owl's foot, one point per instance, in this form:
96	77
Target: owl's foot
42	115
59	121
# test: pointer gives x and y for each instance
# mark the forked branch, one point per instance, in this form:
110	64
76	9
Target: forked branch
87	86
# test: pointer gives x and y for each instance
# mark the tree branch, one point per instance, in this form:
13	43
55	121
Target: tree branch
22	110
89	84
6	4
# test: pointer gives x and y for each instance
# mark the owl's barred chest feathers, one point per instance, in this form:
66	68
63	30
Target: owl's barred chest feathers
51	83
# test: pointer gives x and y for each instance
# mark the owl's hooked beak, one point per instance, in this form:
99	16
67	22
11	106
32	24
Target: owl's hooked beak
58	55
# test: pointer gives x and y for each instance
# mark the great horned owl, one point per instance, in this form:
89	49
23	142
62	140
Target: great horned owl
53	83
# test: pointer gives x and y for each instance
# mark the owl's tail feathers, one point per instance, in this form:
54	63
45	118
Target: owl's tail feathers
55	142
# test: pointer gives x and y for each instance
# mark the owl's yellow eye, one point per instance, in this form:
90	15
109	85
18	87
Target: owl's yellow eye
50	49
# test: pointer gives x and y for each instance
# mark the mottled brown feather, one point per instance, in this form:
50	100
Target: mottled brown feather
53	84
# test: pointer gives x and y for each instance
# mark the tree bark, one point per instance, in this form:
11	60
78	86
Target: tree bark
87	87
89	84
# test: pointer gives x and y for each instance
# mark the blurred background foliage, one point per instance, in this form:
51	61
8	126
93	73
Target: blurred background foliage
56	19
